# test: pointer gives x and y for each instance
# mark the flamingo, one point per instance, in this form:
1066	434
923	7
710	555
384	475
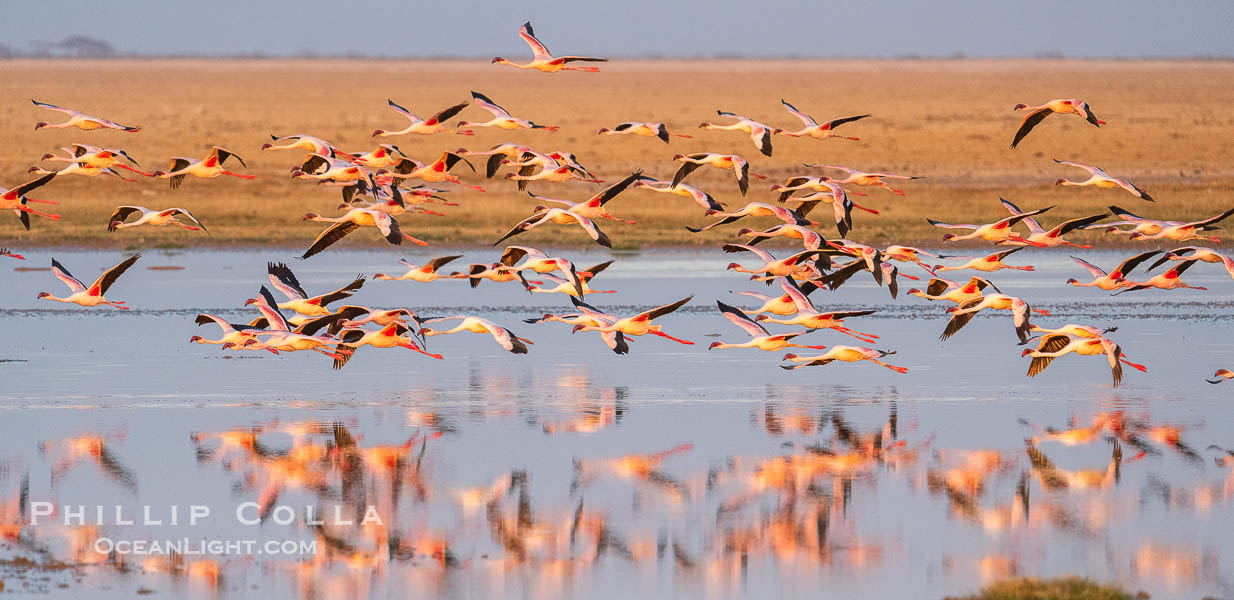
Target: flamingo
1198	253
1182	232
543	60
779	305
425	273
757	209
1020	311
864	178
565	286
842	353
433	124
313	144
95	294
11	254
739	166
810	239
206	168
1062	106
501	117
587	315
1115	279
331	167
79	120
504	337
497	155
1165	281
1221	375
1053	237
809	317
998	231
640	324
434	172
841	205
234	334
353	315
384	155
284	280
537	261
811	127
1055	345
642	128
352	220
496	272
555	175
759	133
1102	179
699	196
801	262
281	338
15	199
1141	225
759	336
80	169
945	289
94	156
988	263
157	218
593	208
1074	330
393	335
911	254
542	214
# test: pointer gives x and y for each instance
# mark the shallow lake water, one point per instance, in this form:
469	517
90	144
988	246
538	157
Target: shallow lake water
574	472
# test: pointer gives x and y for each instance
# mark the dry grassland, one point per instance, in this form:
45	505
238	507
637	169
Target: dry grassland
1169	131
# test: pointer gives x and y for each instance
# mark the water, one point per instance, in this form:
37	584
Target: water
574	472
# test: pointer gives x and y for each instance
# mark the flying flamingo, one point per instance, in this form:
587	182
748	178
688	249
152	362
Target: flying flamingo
739	166
864	178
842	353
79	120
1115	279
501	117
642	128
504	337
425	273
425	126
352	220
759	336
1055	345
1063	106
15	199
759	133
1102	179
206	168
1020	311
95	294
543	60
640	324
811	127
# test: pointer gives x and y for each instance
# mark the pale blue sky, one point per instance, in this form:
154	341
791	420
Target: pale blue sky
1100	28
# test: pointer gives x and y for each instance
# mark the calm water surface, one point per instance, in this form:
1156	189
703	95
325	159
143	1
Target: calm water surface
574	472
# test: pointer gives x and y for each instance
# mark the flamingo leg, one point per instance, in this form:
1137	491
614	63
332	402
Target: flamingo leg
188	227
892	367
869	210
241	176
1140	368
135	170
678	340
417	349
415	241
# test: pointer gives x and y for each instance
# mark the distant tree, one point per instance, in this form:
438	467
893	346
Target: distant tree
7	52
85	47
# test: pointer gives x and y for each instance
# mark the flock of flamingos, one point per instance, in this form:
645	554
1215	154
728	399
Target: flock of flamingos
375	191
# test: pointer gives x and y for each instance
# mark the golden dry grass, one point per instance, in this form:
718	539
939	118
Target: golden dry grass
951	121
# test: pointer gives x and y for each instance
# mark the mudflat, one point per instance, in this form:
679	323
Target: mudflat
948	121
